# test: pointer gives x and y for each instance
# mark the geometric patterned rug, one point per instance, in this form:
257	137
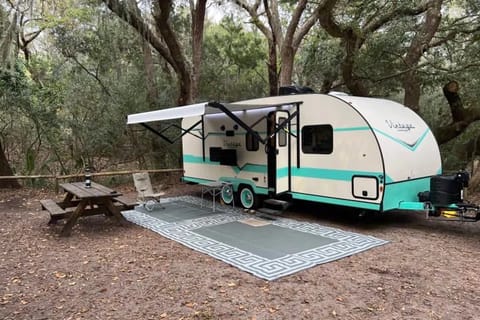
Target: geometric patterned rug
268	249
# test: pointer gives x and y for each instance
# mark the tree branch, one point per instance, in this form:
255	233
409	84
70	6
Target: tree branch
381	20
307	25
138	24
328	23
252	12
95	76
461	118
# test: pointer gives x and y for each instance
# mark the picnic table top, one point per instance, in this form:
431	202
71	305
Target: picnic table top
95	191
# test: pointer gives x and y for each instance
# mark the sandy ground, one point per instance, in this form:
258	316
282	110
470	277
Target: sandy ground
429	270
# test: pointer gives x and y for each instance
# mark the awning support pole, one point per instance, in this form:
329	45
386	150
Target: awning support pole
172	141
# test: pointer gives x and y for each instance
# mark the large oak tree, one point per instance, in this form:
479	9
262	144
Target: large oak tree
157	29
283	41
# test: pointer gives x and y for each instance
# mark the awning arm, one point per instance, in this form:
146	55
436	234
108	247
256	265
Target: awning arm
282	125
242	124
249	129
171	141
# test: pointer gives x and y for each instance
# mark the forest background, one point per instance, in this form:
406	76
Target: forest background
72	70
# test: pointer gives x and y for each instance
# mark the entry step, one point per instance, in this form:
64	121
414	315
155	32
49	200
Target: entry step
276	204
269	211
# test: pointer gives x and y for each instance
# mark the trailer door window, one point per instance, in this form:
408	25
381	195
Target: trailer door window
282	134
317	139
251	142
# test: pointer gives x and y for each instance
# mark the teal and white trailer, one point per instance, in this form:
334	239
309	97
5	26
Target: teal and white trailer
367	153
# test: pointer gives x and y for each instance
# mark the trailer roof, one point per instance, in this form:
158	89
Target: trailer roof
197	109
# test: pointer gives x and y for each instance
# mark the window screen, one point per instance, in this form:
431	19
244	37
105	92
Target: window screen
251	142
317	139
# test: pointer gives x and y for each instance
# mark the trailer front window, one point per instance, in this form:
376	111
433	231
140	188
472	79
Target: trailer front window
317	139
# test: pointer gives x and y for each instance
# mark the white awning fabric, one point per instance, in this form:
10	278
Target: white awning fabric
193	110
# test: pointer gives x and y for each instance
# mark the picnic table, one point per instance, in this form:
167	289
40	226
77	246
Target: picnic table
81	200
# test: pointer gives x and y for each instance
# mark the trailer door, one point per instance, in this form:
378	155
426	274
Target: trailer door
283	170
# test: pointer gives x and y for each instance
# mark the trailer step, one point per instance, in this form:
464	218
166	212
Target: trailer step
276	204
270	211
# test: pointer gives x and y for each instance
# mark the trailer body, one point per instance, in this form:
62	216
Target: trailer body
367	153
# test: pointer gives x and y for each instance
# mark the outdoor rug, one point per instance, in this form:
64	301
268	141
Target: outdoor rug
269	249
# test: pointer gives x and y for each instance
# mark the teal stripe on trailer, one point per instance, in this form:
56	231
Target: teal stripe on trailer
308	172
236	182
405	191
351	129
196	180
335	201
248	167
198	159
332	174
412	147
259	168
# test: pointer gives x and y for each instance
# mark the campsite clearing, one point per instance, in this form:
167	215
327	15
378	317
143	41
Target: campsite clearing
429	270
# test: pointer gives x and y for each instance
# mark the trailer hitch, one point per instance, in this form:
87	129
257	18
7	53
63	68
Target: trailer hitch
464	212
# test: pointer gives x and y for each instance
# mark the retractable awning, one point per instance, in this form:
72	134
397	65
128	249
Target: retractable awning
192	110
206	108
197	109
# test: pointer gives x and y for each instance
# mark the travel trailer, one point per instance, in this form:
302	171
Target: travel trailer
367	153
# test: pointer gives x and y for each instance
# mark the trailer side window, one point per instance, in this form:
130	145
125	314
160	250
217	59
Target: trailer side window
251	142
317	139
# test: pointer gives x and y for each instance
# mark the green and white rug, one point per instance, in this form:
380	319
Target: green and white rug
267	249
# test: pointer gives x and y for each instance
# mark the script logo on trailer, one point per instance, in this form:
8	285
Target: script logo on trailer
231	144
399	126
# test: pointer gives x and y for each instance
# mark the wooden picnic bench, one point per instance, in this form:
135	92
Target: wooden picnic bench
127	203
81	200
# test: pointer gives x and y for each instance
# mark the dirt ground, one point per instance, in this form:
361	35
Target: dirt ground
429	270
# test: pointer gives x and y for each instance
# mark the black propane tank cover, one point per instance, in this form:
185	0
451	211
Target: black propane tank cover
445	190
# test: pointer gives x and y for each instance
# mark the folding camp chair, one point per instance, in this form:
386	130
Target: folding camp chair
145	194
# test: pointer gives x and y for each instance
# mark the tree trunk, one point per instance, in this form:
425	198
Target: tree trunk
5	170
272	69
161	13
198	23
287	57
413	91
278	43
166	42
420	43
352	45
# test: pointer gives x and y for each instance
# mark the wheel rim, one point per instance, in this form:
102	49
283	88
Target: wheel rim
227	194
247	198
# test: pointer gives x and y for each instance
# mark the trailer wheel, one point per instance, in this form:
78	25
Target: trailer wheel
227	194
248	198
